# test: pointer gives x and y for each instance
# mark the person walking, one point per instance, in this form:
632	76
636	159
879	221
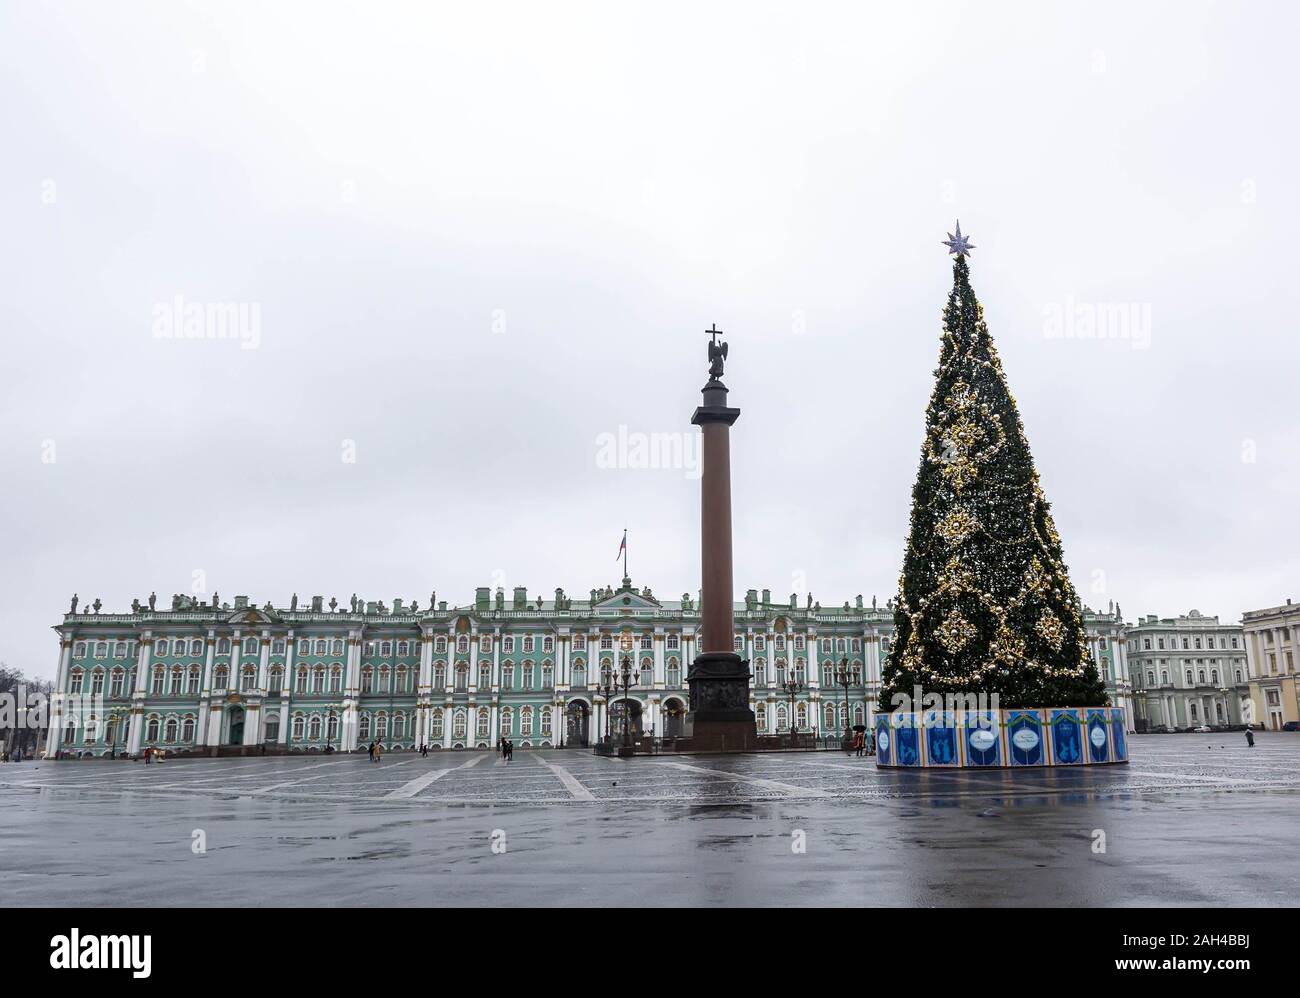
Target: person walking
372	751
379	751
1250	737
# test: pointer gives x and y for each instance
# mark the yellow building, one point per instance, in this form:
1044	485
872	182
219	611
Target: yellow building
1272	648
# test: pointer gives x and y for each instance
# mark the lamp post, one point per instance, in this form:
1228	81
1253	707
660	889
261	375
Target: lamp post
845	677
329	731
605	688
624	679
791	689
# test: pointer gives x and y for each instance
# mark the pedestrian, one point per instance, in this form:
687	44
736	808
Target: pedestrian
1250	737
379	750
372	751
509	750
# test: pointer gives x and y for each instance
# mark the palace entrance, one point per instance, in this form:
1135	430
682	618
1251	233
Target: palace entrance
236	726
674	712
616	711
577	724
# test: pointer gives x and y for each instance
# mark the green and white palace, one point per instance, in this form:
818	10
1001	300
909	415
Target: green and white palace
237	679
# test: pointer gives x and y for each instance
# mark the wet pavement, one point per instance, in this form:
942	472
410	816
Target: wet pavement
1192	820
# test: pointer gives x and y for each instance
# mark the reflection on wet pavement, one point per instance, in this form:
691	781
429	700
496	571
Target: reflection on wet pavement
1193	820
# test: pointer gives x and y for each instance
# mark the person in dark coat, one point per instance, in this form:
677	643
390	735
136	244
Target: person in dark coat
1250	738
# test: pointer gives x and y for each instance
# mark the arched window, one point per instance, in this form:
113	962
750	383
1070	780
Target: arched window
526	721
338	646
828	717
760	715
250	646
321	645
546	722
508	676
507	721
462	645
304	647
1151	678
223	646
647	672
115	686
178	677
674	673
151	729
297	727
220	677
385	649
187	728
462	677
249	677
318	679
399	725
403	675
75	681
276	680
79	650
273	726
800	672
548	676
403	649
440	645
439	676
458	724
196	647
385	674
313	728
336	678
97	682
782	717
435	724
92	728
579	673
300	680
367	680
801	714
332	728
195	675
381	727
170	730
760	672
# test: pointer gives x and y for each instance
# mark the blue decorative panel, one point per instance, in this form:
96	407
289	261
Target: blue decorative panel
941	738
1119	742
983	739
1097	736
1025	738
907	741
1067	736
884	742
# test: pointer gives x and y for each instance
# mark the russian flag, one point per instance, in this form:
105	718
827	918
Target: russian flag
622	547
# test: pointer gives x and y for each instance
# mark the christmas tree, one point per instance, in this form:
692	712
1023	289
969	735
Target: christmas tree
985	603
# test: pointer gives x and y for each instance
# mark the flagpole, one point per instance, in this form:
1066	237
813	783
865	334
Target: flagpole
625	575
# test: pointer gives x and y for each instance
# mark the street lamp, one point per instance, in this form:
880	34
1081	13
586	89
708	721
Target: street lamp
791	689
625	675
605	688
846	677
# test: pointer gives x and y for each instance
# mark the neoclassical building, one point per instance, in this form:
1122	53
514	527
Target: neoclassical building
1272	639
234	678
1188	671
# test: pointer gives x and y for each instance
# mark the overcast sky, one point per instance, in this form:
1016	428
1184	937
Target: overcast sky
475	238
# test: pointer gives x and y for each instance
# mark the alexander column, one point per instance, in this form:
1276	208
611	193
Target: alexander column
720	718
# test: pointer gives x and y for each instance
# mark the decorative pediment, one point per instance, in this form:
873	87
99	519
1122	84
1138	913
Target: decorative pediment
625	598
253	616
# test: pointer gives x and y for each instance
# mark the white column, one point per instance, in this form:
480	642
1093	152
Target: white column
137	695
659	676
263	661
55	734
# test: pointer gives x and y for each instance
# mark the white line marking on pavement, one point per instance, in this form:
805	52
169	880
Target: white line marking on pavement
413	787
570	781
786	788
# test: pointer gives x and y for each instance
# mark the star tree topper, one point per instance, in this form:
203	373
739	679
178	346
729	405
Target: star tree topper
959	245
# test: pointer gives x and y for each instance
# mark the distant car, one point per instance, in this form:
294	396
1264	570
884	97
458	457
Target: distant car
1204	729
1291	726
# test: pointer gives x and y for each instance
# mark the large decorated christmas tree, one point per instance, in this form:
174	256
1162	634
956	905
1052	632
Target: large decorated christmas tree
985	603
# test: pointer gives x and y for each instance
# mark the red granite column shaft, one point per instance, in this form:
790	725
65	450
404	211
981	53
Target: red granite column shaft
717	613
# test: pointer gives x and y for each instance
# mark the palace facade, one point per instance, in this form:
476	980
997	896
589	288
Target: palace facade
235	678
1188	671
